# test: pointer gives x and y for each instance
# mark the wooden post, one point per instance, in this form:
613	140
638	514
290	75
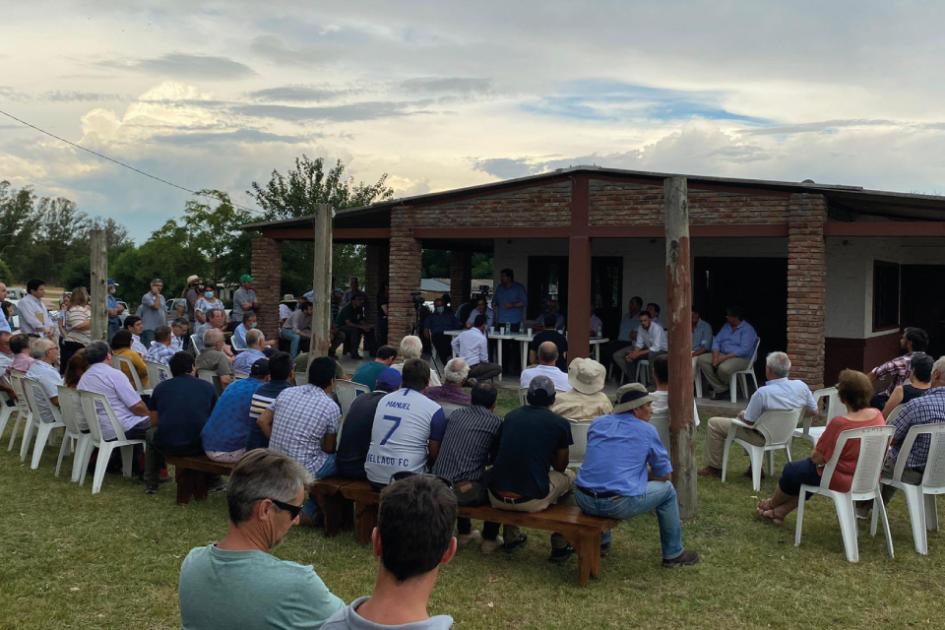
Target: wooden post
99	284
321	282
679	318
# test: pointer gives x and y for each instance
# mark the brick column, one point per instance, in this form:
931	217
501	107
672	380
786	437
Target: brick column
404	275
806	287
460	277
267	279
375	273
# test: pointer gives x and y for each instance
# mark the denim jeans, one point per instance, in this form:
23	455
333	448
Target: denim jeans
660	496
293	338
328	469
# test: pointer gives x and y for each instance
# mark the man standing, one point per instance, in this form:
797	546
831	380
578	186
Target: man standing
732	350
896	371
352	323
113	308
408	428
533	440
297	328
192	294
255	344
237	582
413	537
510	300
367	373
778	393
626	473
244	299
153	311
547	355
651	340
35	318
102	378
353	450
471	346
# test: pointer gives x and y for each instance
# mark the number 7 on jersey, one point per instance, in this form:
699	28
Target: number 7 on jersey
396	421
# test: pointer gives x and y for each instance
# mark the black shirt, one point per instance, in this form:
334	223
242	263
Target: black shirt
558	339
183	404
355	438
528	440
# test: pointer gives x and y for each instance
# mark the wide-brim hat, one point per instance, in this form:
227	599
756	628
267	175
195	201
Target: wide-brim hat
586	375
288	297
192	279
631	396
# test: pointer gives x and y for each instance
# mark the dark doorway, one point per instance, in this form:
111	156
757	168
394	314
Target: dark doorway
607	291
758	285
923	303
547	278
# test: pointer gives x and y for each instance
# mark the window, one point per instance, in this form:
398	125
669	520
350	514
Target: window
885	295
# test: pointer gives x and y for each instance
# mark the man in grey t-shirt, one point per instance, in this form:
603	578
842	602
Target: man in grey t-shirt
153	311
413	537
244	299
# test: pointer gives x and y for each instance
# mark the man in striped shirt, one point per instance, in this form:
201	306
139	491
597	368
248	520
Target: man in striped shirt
469	443
280	371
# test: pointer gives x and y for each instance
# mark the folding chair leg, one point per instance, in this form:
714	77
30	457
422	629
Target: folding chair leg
80	458
104	454
725	451
931	513
917	518
799	525
42	436
127	459
757	456
6	412
27	438
17	421
879	506
84	461
66	441
847	518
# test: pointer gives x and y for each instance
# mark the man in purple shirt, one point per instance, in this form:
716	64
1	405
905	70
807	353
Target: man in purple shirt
451	391
732	351
102	378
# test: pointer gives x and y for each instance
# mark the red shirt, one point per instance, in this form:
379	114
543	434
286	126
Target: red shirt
846	465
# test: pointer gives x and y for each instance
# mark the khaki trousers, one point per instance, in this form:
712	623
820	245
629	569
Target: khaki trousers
559	484
720	377
715	439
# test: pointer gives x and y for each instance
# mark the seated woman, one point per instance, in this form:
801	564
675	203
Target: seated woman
919	382
855	391
121	347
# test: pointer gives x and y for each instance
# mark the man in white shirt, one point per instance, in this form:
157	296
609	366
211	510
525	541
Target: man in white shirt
651	340
778	393
472	346
547	365
34	316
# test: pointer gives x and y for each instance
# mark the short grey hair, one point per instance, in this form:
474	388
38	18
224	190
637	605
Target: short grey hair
411	347
939	366
253	337
263	474
96	352
212	337
456	370
779	363
40	347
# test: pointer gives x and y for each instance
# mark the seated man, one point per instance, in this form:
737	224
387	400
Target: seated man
654	310
214	359
46	356
626	473
353	450
216	320
586	399
481	308
237	583
102	378
367	373
352	323
451	391
435	327
411	347
469	445
701	335
180	334
135	326
121	347
731	352
471	346
408	428
413	537
297	328
532	440
778	393
550	333
280	378
627	334
179	408
255	344
896	371
161	349
926	409
226	433
651	341
239	333
547	355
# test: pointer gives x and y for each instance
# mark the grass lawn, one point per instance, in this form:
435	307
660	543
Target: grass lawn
73	560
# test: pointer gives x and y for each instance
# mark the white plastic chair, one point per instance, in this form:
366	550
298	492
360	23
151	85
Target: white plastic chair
24	414
194	344
697	376
6	411
77	434
347	391
91	404
920	499
894	414
865	486
42	424
579	448
742	375
157	372
643	371
135	379
237	344
777	428
834	407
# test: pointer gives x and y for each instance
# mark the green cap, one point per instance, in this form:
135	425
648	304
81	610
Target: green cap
246	278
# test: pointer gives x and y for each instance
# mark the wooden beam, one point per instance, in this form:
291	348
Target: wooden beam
321	282
885	228
339	234
679	319
579	270
491	232
99	288
775	230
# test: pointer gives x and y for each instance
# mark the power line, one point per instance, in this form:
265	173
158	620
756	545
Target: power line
120	163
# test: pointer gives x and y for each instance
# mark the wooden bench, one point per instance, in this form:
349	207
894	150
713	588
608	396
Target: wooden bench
583	532
190	473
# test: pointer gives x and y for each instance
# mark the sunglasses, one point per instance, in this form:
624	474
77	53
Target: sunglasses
404	474
293	510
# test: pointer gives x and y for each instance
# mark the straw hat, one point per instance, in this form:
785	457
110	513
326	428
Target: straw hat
586	375
631	396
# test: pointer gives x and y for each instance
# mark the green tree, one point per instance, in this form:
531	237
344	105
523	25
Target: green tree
215	233
17	223
297	194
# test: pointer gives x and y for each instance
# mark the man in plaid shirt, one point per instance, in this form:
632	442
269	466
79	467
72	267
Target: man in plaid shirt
926	409
161	349
896	371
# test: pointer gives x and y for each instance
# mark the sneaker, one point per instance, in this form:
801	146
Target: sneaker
511	545
561	554
150	489
684	559
490	546
465	539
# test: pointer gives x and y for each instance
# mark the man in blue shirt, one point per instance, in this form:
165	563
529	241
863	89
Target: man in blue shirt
227	432
732	351
701	335
626	472
510	300
255	343
435	327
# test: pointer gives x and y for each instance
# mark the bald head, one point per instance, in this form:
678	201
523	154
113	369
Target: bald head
547	353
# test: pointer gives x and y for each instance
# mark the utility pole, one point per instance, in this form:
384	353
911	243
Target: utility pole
321	282
99	280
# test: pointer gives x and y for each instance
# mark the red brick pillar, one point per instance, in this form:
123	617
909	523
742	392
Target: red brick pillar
460	277
404	275
375	273
267	280
806	287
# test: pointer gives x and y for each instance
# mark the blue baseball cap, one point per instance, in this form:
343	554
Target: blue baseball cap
112	283
388	380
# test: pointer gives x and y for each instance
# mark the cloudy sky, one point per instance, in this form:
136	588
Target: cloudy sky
447	94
